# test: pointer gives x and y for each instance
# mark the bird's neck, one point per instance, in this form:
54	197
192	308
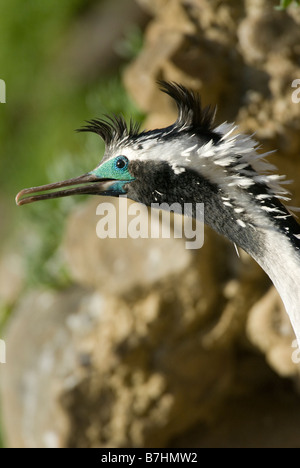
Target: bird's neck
281	261
260	225
272	240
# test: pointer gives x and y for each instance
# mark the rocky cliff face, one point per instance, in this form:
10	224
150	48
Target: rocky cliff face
156	345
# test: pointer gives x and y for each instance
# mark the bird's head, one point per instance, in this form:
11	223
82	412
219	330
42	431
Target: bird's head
147	166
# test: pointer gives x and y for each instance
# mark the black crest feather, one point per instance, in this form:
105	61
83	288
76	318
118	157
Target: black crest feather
191	114
192	117
113	130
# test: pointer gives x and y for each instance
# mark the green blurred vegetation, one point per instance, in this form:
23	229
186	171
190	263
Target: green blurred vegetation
285	3
43	107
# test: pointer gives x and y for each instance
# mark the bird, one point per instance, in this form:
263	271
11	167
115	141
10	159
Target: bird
196	161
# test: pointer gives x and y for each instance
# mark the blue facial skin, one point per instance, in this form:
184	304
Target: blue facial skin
117	169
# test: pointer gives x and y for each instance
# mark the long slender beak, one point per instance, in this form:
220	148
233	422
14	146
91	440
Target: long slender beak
87	184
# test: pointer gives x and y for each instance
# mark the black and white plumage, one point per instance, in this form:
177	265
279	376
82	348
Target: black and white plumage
193	161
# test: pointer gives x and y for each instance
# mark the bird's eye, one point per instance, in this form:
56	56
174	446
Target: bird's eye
121	162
